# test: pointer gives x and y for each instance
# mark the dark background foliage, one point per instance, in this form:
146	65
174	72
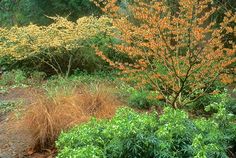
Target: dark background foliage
22	12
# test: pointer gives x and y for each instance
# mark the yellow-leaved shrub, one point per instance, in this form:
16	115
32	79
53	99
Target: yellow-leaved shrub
63	37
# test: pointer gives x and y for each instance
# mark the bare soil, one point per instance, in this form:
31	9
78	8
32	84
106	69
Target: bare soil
15	141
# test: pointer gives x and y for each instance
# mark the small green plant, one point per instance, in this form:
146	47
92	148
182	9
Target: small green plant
60	86
142	99
66	85
18	78
139	98
36	77
3	90
7	106
216	97
14	78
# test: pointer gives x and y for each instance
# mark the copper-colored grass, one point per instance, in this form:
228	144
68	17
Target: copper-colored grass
47	117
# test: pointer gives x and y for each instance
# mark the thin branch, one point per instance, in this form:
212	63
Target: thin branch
205	89
54	68
69	67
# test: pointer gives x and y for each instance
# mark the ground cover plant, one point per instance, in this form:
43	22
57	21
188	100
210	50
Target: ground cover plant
15	78
131	134
6	107
20	79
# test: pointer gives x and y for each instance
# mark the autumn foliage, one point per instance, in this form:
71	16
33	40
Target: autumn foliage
177	49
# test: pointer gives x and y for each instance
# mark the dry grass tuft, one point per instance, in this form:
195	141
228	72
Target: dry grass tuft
47	117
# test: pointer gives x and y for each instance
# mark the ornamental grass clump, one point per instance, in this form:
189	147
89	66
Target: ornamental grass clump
48	116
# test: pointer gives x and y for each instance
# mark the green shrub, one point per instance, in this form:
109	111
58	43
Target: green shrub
112	135
200	105
224	115
139	98
142	99
6	63
130	134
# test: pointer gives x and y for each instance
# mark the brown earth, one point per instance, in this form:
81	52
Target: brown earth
14	140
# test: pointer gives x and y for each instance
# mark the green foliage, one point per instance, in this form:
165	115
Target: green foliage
24	12
13	78
199	106
6	106
14	107
36	77
97	76
73	8
20	13
132	134
139	99
20	79
6	63
225	117
142	99
112	135
58	85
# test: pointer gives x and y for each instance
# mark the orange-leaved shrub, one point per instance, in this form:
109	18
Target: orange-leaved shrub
48	116
179	51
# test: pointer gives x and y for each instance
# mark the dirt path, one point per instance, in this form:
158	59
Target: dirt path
14	140
25	94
